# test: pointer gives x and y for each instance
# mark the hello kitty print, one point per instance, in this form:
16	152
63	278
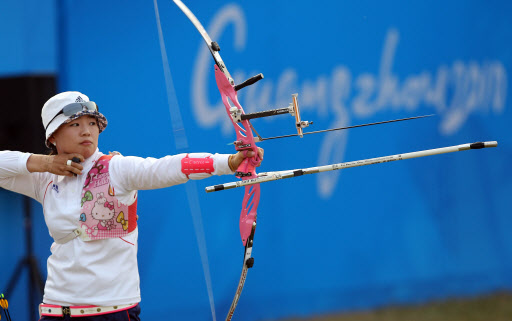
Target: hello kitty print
102	215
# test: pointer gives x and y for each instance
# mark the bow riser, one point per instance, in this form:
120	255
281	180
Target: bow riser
243	130
249	211
245	138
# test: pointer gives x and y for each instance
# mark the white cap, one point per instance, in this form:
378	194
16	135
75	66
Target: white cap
55	105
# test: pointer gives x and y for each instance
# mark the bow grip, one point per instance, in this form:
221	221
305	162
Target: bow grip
246	169
249	82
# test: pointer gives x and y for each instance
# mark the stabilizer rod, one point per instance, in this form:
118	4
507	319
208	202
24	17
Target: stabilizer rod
273	176
266	113
249	82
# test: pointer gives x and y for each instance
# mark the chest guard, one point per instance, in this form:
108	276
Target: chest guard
102	215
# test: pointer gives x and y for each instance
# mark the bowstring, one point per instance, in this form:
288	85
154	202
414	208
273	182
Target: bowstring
182	146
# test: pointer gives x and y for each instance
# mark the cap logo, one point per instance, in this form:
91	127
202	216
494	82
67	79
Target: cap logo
79	100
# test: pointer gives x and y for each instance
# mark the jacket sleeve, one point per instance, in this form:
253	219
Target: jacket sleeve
14	175
135	173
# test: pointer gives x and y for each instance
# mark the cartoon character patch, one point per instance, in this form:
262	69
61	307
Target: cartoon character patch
102	215
103	211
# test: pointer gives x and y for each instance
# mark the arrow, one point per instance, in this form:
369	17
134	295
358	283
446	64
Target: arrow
340	128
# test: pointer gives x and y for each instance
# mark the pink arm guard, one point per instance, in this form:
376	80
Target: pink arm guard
196	165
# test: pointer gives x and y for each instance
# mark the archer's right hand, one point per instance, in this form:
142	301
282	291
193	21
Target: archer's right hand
56	164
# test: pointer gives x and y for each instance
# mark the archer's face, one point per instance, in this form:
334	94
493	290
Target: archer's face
79	136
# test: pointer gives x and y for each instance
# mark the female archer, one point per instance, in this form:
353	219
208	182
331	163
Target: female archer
89	202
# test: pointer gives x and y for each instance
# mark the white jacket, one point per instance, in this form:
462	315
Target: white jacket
101	272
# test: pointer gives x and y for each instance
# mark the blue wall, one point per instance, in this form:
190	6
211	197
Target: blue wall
403	232
28	37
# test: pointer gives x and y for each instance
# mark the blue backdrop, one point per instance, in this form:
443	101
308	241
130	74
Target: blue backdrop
404	232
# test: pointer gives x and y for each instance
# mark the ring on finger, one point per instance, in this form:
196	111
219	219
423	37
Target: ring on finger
68	162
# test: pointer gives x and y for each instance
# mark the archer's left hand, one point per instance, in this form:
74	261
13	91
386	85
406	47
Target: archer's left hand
236	159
